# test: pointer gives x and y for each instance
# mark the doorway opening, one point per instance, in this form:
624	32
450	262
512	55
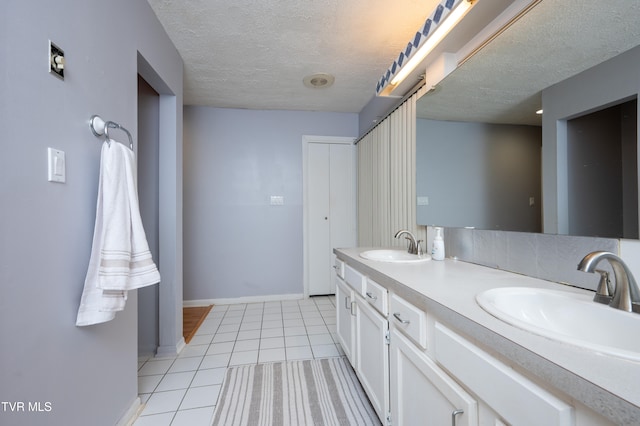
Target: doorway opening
602	160
165	207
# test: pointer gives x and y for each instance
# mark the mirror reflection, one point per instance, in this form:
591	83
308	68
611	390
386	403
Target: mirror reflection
485	158
480	175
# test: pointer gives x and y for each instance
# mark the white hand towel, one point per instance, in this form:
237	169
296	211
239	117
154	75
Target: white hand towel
126	262
120	256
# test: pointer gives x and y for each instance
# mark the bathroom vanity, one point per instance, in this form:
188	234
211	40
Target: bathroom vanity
427	353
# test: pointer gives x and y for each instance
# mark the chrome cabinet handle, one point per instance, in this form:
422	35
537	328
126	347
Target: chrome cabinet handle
353	304
371	296
402	321
453	416
346	303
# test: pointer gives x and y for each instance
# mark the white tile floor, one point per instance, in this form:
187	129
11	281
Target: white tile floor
183	390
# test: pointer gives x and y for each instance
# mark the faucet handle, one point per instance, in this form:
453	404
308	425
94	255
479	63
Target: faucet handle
604	293
419	250
412	246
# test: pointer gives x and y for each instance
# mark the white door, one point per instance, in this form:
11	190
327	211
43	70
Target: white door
329	211
319	243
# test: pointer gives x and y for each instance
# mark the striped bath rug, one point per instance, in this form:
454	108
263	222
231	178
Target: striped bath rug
310	392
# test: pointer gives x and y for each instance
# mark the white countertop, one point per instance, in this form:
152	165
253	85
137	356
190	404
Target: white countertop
607	384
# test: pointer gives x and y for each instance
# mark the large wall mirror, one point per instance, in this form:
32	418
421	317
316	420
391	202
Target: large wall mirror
486	160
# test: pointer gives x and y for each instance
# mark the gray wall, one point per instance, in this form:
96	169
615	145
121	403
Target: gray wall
89	374
236	243
603	85
478	175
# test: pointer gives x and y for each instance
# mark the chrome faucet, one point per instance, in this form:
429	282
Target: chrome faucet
415	246
626	295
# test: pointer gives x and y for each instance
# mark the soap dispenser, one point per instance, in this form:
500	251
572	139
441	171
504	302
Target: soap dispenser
437	251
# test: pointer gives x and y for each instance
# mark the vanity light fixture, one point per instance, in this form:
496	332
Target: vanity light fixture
443	19
454	32
443	28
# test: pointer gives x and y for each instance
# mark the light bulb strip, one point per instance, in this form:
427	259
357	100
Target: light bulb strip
445	16
441	31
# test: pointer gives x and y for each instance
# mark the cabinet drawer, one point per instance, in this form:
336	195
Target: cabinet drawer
518	400
377	296
409	319
354	278
338	265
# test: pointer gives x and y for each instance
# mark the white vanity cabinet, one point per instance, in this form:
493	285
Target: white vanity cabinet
377	296
372	340
422	393
362	327
512	396
431	384
346	319
408	318
355	279
421	363
372	355
349	282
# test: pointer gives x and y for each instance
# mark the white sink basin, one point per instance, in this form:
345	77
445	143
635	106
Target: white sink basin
569	317
397	256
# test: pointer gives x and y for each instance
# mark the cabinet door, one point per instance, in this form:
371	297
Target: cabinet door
518	400
345	321
422	393
372	356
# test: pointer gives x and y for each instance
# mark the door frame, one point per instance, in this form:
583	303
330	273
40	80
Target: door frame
171	341
306	140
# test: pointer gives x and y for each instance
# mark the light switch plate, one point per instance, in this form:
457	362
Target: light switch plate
57	165
277	200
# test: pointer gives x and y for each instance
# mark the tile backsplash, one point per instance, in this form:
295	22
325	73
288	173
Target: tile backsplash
545	256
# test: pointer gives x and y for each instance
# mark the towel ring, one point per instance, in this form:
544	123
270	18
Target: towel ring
112	125
99	127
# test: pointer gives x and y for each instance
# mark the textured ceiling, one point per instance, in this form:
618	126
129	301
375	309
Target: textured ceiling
255	54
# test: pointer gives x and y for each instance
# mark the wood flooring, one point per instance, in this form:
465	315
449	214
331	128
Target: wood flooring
192	318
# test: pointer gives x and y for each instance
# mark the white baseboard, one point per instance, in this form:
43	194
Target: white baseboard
180	346
132	413
169	351
248	299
